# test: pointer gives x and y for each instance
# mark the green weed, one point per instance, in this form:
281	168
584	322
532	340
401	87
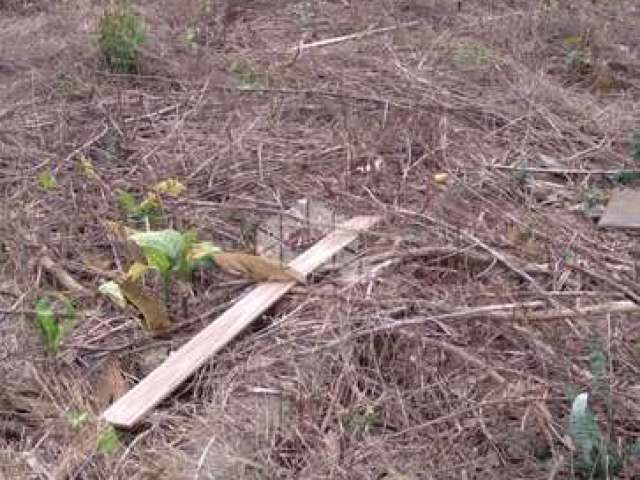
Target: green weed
47	181
248	75
120	35
53	331
624	177
149	208
109	441
77	419
597	455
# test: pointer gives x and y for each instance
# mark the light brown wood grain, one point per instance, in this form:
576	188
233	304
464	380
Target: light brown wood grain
140	400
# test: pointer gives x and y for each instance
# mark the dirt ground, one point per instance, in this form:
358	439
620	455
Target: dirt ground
449	346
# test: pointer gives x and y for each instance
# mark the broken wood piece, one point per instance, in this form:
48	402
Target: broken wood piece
354	36
63	277
140	400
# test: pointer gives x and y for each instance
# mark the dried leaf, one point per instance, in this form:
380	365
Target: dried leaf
170	186
256	267
112	290
155	314
441	178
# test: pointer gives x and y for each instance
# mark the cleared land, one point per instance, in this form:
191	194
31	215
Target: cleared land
451	344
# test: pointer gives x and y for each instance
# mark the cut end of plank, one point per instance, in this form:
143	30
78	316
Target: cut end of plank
131	408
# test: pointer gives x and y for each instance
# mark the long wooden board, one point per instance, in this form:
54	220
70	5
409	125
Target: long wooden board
140	400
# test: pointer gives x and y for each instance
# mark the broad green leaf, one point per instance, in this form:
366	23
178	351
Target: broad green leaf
170	186
170	242
136	271
163	248
77	418
112	290
48	325
109	441
47	181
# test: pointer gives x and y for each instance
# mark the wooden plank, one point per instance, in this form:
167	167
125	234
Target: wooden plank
139	401
623	210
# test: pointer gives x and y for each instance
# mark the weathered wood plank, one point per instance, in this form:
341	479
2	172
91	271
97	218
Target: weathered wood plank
139	401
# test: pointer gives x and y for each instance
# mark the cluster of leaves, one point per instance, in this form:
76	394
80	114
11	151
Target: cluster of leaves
150	207
108	440
176	255
120	35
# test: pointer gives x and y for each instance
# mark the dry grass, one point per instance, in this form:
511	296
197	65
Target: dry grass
372	372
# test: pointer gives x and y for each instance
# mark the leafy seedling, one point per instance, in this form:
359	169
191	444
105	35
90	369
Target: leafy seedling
594	457
624	177
171	254
47	181
52	331
77	418
150	208
121	33
109	441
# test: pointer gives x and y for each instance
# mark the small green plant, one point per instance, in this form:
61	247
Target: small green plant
248	75
120	35
625	177
597	455
109	440
53	331
47	181
635	146
148	209
77	419
365	418
168	252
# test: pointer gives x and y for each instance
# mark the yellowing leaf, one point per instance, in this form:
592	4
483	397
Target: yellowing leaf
112	290
256	267
155	314
151	205
87	167
136	271
170	186
202	251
